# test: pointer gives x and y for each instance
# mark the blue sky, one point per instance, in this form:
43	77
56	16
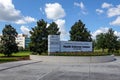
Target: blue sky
97	15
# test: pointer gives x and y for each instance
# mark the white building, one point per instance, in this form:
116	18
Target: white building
22	40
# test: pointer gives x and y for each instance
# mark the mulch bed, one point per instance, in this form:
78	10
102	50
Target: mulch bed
23	58
13	58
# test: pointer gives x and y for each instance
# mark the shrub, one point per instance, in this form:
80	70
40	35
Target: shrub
79	54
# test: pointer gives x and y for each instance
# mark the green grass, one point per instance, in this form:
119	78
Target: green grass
100	50
22	54
18	54
117	53
15	57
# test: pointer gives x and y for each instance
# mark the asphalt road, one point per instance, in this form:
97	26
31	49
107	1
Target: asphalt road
40	70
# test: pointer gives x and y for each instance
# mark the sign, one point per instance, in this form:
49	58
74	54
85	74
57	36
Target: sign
55	45
75	46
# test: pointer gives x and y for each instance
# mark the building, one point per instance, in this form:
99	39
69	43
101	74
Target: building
22	40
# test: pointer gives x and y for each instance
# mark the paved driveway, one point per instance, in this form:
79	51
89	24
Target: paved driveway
40	70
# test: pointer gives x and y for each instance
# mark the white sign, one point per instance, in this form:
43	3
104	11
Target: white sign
75	46
55	45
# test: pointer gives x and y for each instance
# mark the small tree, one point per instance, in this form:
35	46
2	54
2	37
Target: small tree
112	42
79	32
101	41
118	44
8	42
108	40
94	44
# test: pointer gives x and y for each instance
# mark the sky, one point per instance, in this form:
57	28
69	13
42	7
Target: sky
97	15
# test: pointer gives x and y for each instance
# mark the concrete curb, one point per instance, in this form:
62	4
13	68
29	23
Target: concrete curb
73	59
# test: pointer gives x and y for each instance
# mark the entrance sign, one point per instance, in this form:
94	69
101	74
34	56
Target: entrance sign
55	45
73	46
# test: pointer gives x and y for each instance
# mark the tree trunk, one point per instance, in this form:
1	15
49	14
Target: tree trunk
102	50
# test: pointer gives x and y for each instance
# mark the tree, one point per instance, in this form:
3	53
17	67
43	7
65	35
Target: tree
108	40
119	44
38	37
111	39
101	41
94	44
53	29
79	32
8	42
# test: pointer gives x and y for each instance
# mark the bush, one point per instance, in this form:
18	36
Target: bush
34	53
8	59
79	54
20	48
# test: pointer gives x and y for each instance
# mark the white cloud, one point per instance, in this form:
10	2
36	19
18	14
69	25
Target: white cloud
99	11
103	30
41	10
61	25
116	22
114	11
47	25
54	11
110	10
117	34
100	30
82	7
9	13
25	30
25	20
106	5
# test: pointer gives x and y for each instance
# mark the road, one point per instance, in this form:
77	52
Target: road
40	70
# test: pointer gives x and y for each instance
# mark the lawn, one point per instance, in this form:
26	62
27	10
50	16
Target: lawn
24	55
117	53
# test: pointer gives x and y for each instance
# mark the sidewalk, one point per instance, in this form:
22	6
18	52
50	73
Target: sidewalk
10	65
73	59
